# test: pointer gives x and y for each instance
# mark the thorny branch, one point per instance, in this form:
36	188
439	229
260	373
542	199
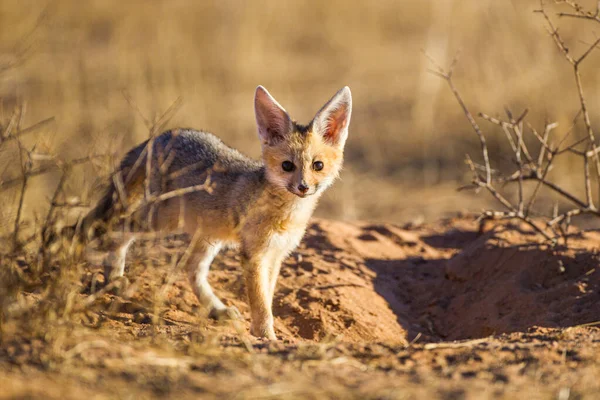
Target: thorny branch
576	62
447	76
579	11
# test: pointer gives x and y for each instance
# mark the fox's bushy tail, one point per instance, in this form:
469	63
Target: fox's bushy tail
106	208
96	221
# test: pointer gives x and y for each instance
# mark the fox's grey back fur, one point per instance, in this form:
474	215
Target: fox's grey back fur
238	179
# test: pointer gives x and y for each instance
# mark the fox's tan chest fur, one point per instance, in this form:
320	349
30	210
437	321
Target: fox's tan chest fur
276	222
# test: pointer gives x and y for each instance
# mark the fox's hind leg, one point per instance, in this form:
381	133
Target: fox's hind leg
198	265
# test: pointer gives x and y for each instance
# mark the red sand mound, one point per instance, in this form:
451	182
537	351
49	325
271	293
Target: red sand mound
366	282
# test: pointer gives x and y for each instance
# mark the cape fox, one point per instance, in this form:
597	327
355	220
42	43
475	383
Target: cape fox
262	207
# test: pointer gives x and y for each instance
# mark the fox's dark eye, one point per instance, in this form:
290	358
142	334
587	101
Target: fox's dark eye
288	166
318	165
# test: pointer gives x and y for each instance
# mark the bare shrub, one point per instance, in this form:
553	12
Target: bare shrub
530	166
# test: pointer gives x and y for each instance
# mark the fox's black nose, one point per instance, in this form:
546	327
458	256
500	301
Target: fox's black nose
302	188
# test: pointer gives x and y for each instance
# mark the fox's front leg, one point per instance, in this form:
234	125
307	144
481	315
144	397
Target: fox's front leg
257	272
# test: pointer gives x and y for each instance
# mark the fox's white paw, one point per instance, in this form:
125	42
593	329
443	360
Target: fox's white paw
225	314
263	331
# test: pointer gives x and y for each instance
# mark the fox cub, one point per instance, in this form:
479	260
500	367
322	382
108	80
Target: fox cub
262	207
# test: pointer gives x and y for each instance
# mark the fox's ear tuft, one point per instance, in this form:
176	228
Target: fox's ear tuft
333	119
272	120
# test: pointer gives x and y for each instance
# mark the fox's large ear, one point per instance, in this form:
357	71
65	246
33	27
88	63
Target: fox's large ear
333	119
272	120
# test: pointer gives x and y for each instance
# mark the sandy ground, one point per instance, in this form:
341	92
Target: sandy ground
362	310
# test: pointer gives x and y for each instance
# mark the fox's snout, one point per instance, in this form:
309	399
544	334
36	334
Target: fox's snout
302	189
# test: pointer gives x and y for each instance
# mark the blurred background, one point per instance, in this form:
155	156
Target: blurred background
101	67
